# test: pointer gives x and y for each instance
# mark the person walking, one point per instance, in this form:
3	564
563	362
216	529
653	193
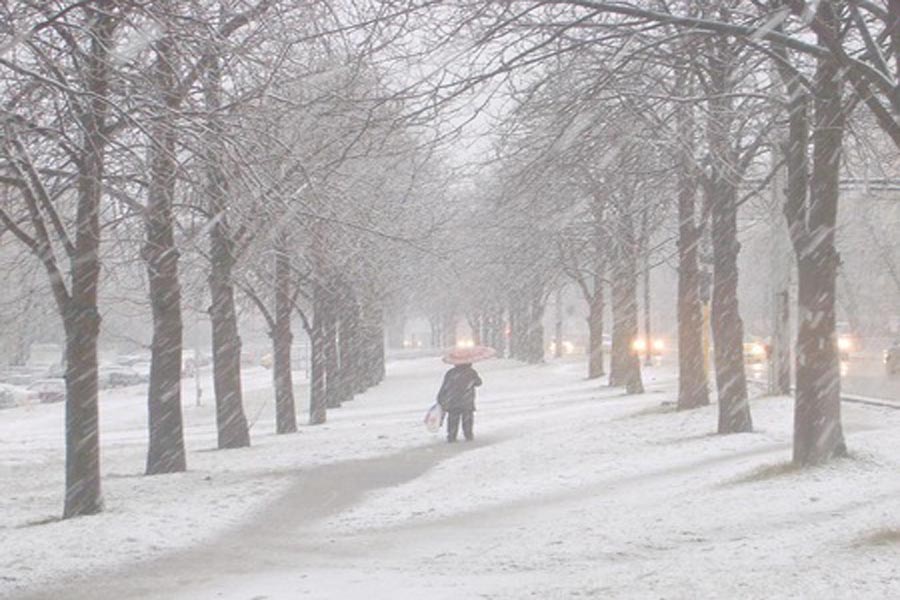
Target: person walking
457	398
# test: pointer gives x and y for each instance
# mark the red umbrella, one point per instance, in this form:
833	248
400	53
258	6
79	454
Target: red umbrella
461	356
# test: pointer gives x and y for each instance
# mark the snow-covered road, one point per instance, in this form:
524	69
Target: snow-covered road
570	490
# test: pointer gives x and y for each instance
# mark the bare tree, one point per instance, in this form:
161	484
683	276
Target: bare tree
83	75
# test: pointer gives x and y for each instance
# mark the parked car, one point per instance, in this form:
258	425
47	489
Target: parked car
892	358
13	395
49	390
117	376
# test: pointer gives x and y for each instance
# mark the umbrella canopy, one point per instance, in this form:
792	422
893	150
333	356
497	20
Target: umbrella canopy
461	356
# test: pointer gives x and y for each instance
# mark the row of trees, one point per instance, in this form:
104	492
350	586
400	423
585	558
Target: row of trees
687	109
259	139
256	139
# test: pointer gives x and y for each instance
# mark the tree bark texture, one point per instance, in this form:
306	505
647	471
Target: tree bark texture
318	410
818	433
166	452
332	364
529	332
231	422
595	331
727	326
625	365
282	338
693	388
645	273
597	300
81	318
346	358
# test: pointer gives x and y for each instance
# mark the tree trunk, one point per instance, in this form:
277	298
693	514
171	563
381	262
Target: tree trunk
693	390
231	422
624	327
375	342
83	495
332	378
166	452
727	327
779	349
625	367
282	338
516	329
346	351
534	329
818	433
595	331
645	273
597	303
317	389
352	347
781	352
558	324
81	318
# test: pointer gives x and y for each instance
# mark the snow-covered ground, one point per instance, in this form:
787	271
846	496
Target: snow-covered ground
571	490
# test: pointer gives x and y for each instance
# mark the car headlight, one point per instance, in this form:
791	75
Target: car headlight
659	345
757	350
845	344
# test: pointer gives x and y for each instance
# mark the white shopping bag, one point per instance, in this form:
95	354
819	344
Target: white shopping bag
434	418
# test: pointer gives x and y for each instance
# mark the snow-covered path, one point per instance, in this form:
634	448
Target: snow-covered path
571	490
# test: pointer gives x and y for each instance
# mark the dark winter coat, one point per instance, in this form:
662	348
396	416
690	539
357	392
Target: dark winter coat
458	390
